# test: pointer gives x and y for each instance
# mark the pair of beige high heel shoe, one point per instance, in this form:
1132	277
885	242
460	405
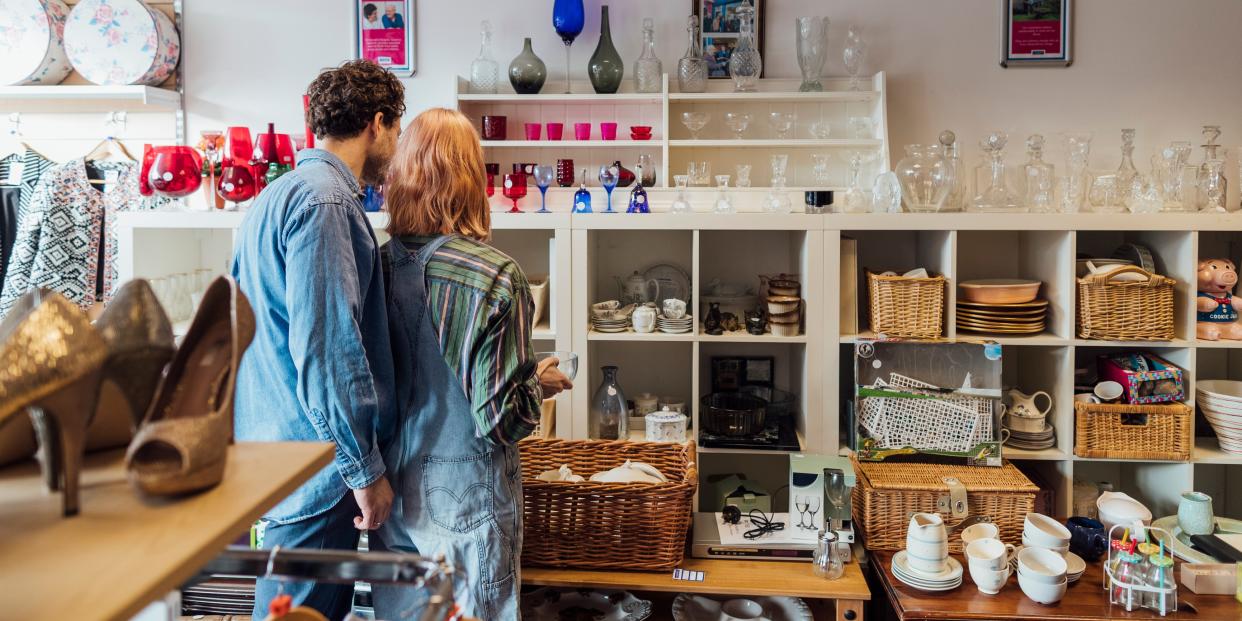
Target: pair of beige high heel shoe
53	362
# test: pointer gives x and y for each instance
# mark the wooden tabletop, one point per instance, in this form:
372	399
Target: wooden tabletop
721	576
1085	600
122	552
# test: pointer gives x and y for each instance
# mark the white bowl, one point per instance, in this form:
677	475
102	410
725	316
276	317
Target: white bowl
1042	565
1226	389
1044	531
988	581
982	530
1228	408
1118	508
1039	591
1027	543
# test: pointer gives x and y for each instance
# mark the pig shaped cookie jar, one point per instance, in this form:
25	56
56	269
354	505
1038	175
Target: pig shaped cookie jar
1217	307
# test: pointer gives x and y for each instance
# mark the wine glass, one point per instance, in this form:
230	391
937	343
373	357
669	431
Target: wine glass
515	188
802	503
236	184
568	18
544	175
568	361
695	122
781	123
738	122
812	507
608	176
177	171
855	52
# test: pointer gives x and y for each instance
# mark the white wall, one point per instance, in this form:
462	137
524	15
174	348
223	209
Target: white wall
1163	67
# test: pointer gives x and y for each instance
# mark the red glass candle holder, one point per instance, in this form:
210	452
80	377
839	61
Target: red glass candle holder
565	173
582	131
608	131
495	127
533	131
515	188
556	131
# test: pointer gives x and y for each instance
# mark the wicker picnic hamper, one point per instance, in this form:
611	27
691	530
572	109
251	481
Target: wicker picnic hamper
606	525
1125	310
1129	431
906	307
888	493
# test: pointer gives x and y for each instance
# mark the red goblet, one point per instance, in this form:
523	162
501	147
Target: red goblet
176	171
515	188
237	184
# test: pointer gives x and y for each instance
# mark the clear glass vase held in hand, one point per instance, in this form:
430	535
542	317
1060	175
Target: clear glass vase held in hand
692	68
745	64
854	54
812	42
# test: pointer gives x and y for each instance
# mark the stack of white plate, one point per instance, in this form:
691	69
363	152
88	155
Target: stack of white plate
610	326
1221	402
675	326
1032	441
947	580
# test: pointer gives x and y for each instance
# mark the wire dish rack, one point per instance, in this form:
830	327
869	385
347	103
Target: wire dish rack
924	419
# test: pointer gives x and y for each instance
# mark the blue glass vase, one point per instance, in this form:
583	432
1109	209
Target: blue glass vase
568	18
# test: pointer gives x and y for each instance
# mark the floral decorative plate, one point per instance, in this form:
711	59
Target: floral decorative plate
699	608
550	604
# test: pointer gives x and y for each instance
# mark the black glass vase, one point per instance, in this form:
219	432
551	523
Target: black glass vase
606	68
527	72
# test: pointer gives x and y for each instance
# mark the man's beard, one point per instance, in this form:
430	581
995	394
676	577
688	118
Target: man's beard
374	169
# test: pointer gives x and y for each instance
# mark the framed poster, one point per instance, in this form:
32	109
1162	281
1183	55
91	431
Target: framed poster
719	26
1036	32
384	33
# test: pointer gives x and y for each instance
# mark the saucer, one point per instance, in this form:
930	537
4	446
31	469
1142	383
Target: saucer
952	573
1075	566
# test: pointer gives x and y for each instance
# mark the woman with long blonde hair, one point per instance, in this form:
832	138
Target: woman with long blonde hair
468	387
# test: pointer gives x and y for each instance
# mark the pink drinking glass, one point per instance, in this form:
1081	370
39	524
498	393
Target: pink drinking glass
608	131
533	131
555	131
582	131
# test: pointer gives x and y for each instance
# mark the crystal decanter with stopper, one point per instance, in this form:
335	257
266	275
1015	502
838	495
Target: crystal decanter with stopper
777	200
745	65
854	199
958	189
1039	177
1127	172
1211	152
484	71
648	70
692	68
996	196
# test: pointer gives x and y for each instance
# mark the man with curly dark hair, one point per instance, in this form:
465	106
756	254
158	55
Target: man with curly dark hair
320	367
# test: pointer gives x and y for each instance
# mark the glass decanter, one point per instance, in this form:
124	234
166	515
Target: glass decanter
854	53
484	71
745	65
681	204
724	202
1039	178
1072	188
582	198
1211	151
926	179
692	68
609	414
648	70
997	195
958	191
638	196
1127	172
812	42
1212	186
854	199
777	200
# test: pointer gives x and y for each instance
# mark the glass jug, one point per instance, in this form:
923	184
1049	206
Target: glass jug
609	415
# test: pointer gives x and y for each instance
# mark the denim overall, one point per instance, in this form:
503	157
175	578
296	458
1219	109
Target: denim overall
456	493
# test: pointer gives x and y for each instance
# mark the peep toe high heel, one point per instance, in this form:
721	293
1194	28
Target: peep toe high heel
183	442
51	358
140	344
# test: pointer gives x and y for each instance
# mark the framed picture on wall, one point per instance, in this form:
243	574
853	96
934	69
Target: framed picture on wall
384	33
1036	32
719	26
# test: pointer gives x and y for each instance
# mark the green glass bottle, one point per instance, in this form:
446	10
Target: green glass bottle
606	68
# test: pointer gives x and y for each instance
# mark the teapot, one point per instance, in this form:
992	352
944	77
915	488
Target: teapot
637	290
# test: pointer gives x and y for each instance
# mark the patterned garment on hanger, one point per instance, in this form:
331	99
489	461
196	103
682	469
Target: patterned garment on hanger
67	229
19	173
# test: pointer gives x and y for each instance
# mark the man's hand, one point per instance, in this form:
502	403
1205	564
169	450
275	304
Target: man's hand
375	500
551	380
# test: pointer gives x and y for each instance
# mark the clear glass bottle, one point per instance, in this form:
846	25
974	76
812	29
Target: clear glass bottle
638	196
745	64
484	71
609	415
777	200
648	170
956	199
692	68
996	196
812	42
1039	178
1127	172
1126	576
582	198
854	199
681	204
724	202
827	563
648	70
1211	151
1161	578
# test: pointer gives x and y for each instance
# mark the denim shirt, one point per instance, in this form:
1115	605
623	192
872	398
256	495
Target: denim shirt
320	366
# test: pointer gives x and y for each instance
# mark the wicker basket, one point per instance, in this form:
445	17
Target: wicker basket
906	307
888	493
606	525
1140	310
1128	431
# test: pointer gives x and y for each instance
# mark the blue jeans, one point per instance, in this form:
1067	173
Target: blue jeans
332	530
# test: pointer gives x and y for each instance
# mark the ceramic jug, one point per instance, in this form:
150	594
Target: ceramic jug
638	290
927	528
1194	514
1025	406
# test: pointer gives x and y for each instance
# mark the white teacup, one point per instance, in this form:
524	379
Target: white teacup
1044	532
741	610
674	308
1040	591
982	530
989	582
991	554
1042	565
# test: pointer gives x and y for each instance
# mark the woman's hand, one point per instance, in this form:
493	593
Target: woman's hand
551	380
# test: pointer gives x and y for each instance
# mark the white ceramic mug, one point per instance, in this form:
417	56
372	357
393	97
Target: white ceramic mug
1108	391
982	530
991	554
988	581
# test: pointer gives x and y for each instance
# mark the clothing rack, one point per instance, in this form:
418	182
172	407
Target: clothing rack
345	567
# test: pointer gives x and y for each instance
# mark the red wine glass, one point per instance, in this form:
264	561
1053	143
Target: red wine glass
515	188
237	184
177	171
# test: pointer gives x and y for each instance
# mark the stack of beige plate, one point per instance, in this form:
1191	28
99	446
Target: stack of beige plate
1001	306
